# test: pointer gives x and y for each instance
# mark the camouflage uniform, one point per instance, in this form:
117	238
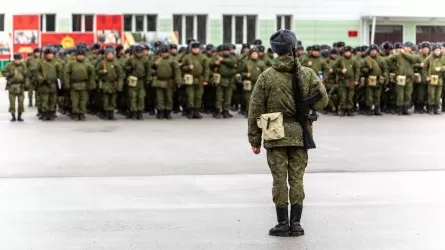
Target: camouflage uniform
434	65
31	64
347	81
17	76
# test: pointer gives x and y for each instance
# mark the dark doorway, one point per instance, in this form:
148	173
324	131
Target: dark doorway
383	33
430	33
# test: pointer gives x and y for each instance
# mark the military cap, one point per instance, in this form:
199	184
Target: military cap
435	46
299	43
138	48
333	51
182	49
398	45
164	48
300	47
127	51
146	46
209	46
173	46
157	44
245	46
109	47
261	48
37	50
213	50
309	48
283	41
316	47
48	50
258	42
119	47
408	44
325	47
190	40
101	52
425	45
325	53
334	45
253	49
219	48
269	50
354	50
373	47
95	46
347	48
387	46
233	46
443	44
109	50
81	45
80	51
340	44
364	48
195	44
61	53
18	56
226	47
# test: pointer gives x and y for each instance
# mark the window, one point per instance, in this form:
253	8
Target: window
140	23
190	26
284	22
391	33
239	29
430	33
2	22
48	22
82	23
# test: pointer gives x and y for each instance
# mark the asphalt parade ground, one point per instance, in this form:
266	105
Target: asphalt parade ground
372	183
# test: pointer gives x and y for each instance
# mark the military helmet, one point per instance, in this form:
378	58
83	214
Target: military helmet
18	56
283	41
101	52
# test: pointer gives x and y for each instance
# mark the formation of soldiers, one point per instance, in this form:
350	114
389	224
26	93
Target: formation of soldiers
196	79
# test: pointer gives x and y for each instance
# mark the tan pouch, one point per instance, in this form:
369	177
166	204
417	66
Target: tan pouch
401	80
362	80
216	78
132	81
272	126
247	85
160	84
382	80
417	78
392	77
372	81
188	79
434	80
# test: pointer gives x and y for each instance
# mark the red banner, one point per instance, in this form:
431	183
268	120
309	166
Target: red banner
109	29
26	33
67	40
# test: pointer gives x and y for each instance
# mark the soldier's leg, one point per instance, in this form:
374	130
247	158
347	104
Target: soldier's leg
52	102
228	92
421	94
298	159
369	97
160	102
168	99
437	97
21	105
277	159
343	97
151	96
106	101
376	98
219	98
414	96
83	101
112	101
199	92
431	93
12	98
400	90
44	103
132	99
190	90
443	99
247	95
30	94
408	93
141	99
350	99
75	102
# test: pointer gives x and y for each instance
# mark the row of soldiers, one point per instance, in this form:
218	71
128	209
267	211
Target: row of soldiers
370	79
137	80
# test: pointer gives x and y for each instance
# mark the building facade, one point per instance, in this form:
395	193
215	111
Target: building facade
234	21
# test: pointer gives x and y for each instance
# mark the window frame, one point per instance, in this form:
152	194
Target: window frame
432	25
233	28
183	32
43	22
3	21
83	22
282	24
144	22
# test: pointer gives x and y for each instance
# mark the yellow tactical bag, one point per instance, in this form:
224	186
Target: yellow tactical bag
372	81
188	79
434	80
132	81
392	77
216	78
401	80
417	78
247	85
272	126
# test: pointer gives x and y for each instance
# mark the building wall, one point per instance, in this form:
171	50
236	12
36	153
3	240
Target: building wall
316	21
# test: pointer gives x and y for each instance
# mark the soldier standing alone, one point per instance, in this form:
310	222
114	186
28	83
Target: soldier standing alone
280	101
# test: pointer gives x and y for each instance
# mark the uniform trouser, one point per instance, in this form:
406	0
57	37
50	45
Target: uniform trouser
360	96
247	95
287	165
67	100
150	101
164	99
434	94
79	101
373	95
223	97
182	95
94	101
404	94
238	97
136	98
420	93
209	97
48	101
194	96
20	102
109	101
31	91
121	99
346	97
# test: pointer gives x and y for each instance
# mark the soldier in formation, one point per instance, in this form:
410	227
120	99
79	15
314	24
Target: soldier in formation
162	79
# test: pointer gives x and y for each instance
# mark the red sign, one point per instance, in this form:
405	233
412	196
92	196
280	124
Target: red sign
352	33
26	33
109	29
67	40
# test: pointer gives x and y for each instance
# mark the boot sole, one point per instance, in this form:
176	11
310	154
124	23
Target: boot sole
283	234
296	234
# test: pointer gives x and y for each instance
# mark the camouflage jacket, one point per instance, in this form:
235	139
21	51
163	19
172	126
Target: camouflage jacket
273	92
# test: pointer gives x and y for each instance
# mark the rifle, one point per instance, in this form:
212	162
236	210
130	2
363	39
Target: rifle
302	105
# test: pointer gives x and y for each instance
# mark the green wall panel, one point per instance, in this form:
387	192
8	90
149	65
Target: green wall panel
215	32
326	32
267	28
165	25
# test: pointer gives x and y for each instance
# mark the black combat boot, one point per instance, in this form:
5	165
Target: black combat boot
168	115
82	117
225	114
52	116
191	113
377	111
13	119
282	228
399	110
228	113
443	108
19	118
160	114
295	218
405	110
436	109
111	115
217	114
197	114
140	115
341	112
369	112
430	110
39	113
30	103
350	112
185	111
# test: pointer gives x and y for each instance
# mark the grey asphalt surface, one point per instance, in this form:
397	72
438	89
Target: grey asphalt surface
373	183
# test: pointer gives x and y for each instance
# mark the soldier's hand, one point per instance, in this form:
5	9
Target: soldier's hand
248	75
191	67
421	65
330	70
437	69
205	83
344	70
218	62
428	79
256	150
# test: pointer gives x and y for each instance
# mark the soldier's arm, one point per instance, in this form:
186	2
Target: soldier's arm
91	77
121	77
243	69
6	71
99	68
256	109
316	86
338	67
149	71
410	57
176	72
229	61
39	74
384	68
27	76
184	65
206	67
128	66
426	67
417	63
